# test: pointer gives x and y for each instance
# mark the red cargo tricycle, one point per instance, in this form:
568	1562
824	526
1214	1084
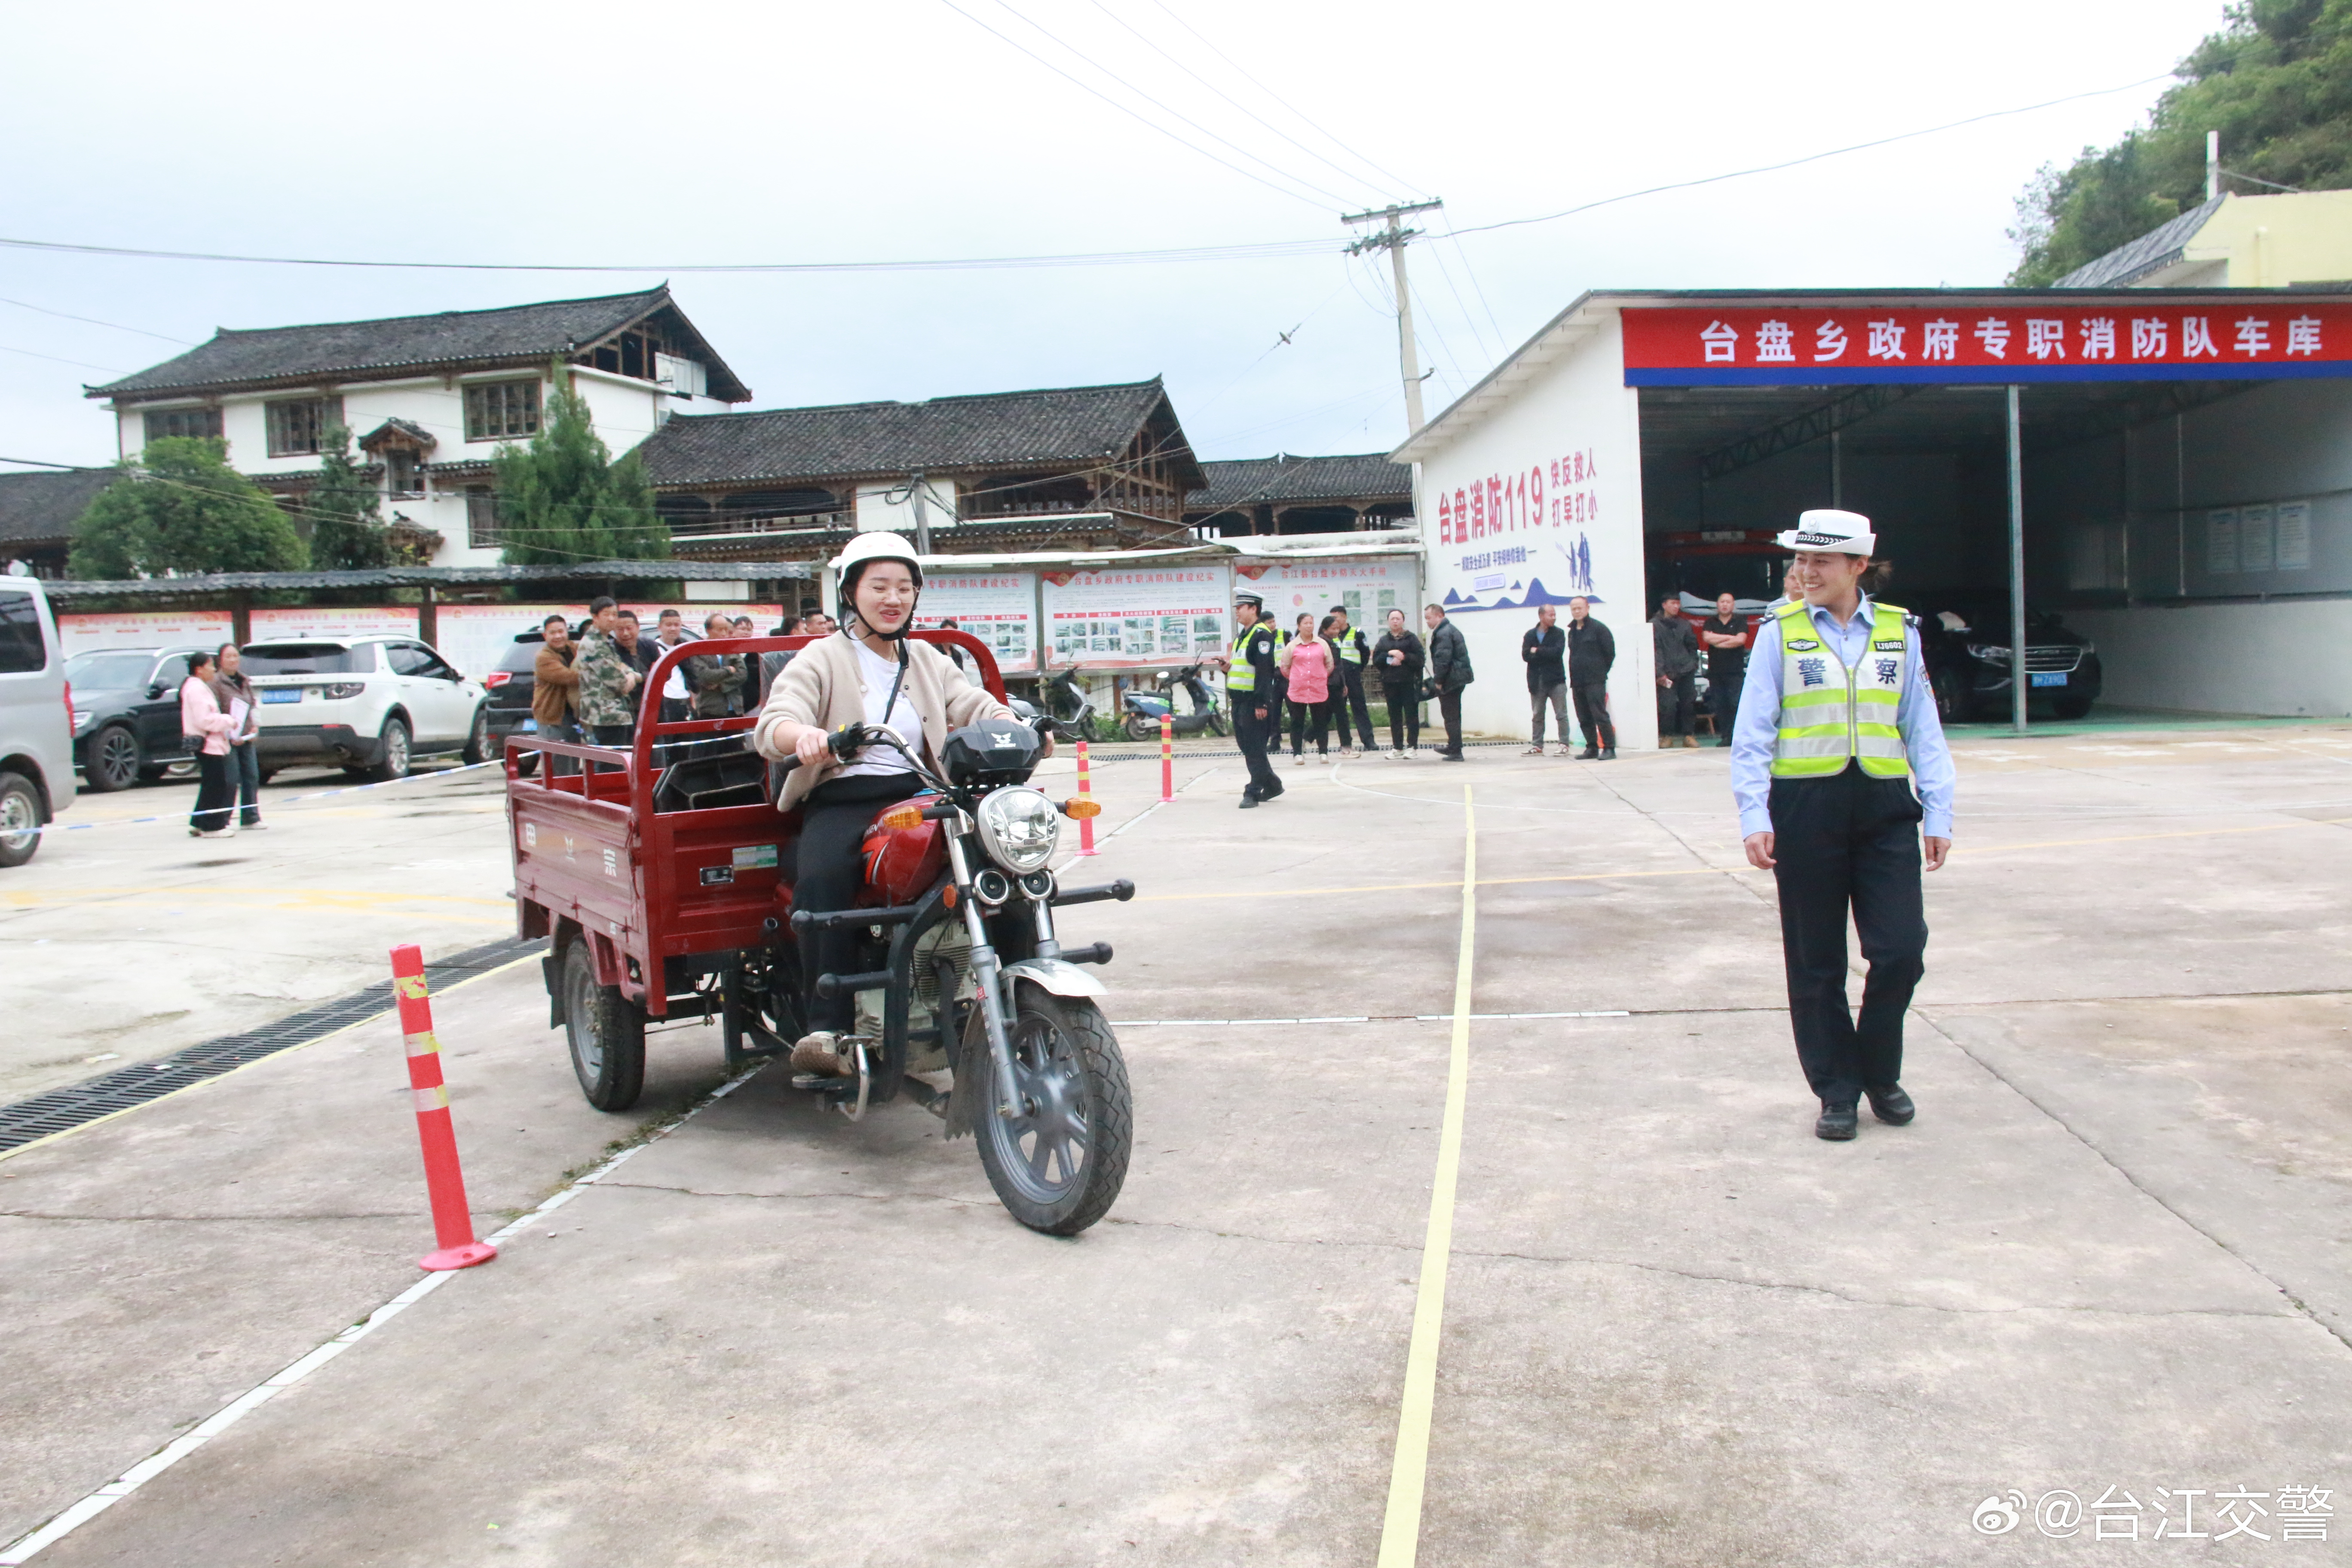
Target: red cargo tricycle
664	874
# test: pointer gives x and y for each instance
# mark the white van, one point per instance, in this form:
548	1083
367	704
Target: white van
36	761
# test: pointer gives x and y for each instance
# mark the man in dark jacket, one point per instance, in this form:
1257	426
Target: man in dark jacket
1398	657
1449	666
1724	633
1677	645
1544	649
1591	652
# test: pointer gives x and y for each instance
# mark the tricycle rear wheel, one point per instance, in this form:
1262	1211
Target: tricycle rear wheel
606	1033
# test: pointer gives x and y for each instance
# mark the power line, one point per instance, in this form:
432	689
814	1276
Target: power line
1399	182
93	320
1131	113
28	354
1478	334
1150	43
1480	290
1253	250
1808	158
1039	27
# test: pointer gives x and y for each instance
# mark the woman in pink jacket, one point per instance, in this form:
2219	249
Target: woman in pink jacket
201	718
1305	662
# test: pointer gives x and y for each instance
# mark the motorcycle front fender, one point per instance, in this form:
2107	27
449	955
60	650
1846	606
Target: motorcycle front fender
1057	975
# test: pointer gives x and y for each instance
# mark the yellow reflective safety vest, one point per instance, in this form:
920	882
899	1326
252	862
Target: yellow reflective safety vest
1241	675
1831	714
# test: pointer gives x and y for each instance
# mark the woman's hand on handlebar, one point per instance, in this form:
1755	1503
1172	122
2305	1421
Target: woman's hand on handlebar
809	746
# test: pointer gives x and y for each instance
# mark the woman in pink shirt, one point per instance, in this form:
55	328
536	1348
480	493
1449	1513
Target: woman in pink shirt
1306	663
201	718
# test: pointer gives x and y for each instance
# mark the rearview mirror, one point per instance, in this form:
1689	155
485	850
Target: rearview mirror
154	690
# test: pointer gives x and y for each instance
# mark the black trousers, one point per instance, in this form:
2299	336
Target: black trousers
1723	701
1405	713
1449	707
1592	714
215	793
1318	715
1352	695
1848	842
829	872
1677	705
1251	734
245	781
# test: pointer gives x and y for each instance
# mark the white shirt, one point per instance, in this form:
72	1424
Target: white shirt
875	677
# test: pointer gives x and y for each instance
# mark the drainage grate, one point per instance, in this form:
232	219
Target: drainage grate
61	1110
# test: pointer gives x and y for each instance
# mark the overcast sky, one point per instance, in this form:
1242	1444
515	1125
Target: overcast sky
666	135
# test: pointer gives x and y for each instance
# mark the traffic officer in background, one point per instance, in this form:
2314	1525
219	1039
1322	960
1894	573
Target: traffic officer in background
1348	652
1250	689
1839	767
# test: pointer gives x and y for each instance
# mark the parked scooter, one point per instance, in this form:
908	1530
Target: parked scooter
1066	702
1145	709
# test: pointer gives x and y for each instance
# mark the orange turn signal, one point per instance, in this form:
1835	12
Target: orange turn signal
948	897
901	817
1079	809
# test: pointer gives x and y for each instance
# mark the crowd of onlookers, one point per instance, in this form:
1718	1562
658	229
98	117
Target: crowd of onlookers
586	684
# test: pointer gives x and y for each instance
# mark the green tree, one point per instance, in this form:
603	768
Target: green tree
562	498
346	530
184	510
2275	81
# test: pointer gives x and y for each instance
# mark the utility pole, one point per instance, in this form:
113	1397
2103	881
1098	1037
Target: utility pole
1392	240
2213	165
922	519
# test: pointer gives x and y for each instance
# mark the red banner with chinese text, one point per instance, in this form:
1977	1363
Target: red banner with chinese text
2262	337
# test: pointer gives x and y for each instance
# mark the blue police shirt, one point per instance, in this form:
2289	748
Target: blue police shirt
1758	727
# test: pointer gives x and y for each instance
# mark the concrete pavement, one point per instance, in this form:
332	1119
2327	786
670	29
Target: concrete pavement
1678	1329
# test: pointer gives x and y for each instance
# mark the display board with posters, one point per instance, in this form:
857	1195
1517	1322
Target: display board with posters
145	628
474	638
1370	586
999	609
1137	618
334	621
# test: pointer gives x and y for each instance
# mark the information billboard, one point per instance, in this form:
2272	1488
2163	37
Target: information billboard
1137	618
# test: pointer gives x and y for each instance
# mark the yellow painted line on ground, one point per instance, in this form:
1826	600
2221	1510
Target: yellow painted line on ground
297	897
1409	1471
389	1008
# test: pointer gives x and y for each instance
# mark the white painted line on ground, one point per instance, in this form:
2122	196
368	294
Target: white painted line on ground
24	1548
1366	1019
275	801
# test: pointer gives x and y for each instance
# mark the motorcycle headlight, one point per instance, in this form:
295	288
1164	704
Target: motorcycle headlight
1019	827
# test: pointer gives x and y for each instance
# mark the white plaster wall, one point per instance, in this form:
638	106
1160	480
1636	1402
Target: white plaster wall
877	511
1580	406
2280	660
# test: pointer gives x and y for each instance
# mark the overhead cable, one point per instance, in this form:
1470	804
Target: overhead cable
93	320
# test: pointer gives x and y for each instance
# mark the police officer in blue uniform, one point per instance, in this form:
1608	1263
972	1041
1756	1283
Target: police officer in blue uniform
1252	691
1840	769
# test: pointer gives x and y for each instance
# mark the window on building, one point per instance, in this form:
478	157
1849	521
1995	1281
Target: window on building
501	410
481	518
400	472
298	426
165	423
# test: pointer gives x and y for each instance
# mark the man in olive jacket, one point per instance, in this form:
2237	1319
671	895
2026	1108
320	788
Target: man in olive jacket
1449	666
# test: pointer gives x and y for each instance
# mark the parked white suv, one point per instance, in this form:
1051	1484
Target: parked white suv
367	705
36	759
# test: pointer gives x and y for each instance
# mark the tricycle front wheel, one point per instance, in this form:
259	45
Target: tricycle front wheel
606	1033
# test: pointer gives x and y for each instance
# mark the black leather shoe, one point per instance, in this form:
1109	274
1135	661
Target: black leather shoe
1891	1105
1609	753
1837	1123
1249	802
1590	754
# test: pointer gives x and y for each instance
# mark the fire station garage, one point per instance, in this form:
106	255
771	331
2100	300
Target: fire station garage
2153	487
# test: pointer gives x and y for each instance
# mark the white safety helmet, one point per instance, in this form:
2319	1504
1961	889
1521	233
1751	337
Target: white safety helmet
1842	532
863	552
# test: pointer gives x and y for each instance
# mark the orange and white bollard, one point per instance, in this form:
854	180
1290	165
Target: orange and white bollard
453	1221
1167	758
1086	792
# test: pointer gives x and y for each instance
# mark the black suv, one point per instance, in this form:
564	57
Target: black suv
1966	639
126	713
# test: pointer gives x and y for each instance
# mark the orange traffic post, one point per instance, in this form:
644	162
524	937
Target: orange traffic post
1167	758
1086	791
453	1221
